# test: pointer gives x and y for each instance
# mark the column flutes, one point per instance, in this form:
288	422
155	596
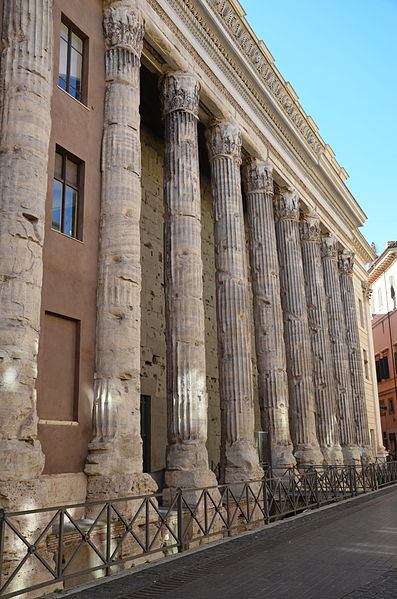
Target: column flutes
337	333
296	330
115	453
268	315
25	123
323	376
345	263
239	458
187	458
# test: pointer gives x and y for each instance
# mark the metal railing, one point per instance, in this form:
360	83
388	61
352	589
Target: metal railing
41	547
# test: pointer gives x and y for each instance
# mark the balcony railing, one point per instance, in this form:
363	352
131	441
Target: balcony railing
65	545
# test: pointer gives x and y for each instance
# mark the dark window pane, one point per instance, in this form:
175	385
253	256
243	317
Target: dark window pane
378	373
385	368
56	205
72	173
75	74
70	212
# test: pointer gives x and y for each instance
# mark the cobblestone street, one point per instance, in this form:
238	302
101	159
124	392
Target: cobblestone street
347	551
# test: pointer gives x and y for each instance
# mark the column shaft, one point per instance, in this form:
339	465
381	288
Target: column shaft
337	332
346	260
239	457
296	331
323	376
268	315
187	459
115	453
25	123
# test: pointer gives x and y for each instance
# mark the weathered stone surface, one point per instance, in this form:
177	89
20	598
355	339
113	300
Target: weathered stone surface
323	376
117	446
187	458
337	332
345	263
268	316
25	98
296	330
239	458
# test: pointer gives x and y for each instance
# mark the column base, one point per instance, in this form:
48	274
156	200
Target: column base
282	457
333	455
242	463
20	460
367	456
351	455
187	468
308	455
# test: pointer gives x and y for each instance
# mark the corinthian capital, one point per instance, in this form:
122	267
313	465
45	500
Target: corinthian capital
286	205
224	139
123	26
345	263
180	91
329	248
258	176
367	290
310	228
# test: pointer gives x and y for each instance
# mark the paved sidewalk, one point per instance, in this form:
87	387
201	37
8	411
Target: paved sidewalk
348	551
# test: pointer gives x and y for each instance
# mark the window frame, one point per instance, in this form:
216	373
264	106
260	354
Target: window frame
72	28
78	225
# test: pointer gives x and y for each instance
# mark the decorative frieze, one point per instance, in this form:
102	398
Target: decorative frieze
268	316
239	458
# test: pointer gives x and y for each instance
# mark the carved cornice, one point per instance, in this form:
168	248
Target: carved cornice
286	205
123	27
346	262
310	228
329	248
180	91
224	139
250	48
257	176
367	290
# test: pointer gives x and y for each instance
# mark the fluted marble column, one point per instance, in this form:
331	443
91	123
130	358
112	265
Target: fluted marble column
296	330
187	458
239	458
345	263
25	123
268	315
323	376
114	462
337	333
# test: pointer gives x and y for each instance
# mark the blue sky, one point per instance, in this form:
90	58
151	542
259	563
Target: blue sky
341	58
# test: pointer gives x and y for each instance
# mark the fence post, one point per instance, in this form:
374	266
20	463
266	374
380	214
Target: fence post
2	534
60	543
179	519
265	503
108	538
317	494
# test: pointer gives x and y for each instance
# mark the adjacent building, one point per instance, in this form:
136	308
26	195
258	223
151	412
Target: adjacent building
382	277
180	258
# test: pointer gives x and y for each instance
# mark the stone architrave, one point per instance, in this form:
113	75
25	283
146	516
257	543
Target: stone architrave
187	457
345	263
323	375
25	99
337	333
268	314
239	458
114	462
296	331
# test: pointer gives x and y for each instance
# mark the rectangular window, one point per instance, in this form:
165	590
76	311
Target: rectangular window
361	311
71	62
66	194
59	390
385	367
365	358
378	373
146	432
391	406
382	408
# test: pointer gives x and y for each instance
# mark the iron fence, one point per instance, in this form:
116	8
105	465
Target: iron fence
46	547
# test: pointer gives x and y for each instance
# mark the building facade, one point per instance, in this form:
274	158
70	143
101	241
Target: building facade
180	258
382	276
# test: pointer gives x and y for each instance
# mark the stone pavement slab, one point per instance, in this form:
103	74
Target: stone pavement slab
346	551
